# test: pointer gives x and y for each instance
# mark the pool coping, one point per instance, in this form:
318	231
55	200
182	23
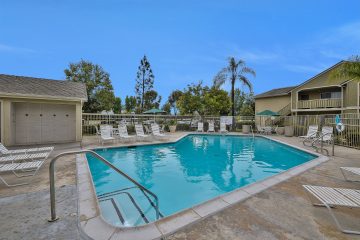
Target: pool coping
96	227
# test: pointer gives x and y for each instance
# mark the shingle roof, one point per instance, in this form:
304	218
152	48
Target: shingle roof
275	92
29	86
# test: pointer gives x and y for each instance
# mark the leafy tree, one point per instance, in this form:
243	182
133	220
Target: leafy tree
117	105
173	98
216	102
144	82
192	99
239	100
166	108
99	89
349	69
130	104
151	100
235	71
248	107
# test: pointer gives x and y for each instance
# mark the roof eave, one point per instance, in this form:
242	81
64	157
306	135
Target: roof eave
41	97
277	95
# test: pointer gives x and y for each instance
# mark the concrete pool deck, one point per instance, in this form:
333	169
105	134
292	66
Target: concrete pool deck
280	212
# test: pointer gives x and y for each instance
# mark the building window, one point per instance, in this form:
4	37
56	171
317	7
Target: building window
327	95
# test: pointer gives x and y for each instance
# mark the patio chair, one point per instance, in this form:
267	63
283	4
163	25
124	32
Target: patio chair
5	151
123	133
140	132
311	133
211	127
16	168
200	127
326	134
155	129
147	129
260	129
25	157
223	128
335	197
353	170
106	135
267	130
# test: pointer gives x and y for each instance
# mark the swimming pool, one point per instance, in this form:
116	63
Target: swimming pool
186	173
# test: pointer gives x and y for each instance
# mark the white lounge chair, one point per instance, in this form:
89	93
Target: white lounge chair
332	197
140	133
5	151
16	168
123	133
106	135
311	133
326	134
200	127
267	130
211	127
24	157
223	128
155	129
353	170
260	129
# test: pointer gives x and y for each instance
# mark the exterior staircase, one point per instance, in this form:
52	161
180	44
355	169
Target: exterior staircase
285	111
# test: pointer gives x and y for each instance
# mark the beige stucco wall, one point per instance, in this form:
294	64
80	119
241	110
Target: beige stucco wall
271	103
7	128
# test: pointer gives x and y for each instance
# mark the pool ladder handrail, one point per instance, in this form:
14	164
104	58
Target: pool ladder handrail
109	196
118	212
321	138
97	156
252	131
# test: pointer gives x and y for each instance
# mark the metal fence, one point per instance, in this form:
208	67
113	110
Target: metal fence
350	137
183	122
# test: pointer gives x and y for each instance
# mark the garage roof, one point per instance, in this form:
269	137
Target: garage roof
275	92
20	86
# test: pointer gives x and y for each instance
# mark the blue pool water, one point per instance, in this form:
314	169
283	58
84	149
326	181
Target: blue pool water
195	169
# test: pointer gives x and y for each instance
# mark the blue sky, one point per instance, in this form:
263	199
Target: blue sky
286	42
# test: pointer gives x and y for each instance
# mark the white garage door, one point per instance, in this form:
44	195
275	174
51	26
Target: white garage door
44	123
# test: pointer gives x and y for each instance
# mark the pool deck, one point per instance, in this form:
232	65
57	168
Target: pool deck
282	211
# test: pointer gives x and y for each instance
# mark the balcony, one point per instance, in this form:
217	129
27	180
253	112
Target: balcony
320	103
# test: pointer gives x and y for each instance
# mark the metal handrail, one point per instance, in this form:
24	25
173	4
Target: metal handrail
52	181
252	131
322	143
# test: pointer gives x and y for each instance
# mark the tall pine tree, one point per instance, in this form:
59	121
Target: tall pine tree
144	82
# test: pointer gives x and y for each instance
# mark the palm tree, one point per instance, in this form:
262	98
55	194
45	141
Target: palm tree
235	71
349	69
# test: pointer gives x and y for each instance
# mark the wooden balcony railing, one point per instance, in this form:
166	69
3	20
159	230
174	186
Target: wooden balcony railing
320	103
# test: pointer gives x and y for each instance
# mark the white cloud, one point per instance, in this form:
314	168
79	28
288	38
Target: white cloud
259	56
12	49
305	68
332	54
254	55
348	33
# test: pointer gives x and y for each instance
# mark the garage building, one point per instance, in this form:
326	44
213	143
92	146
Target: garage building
40	111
